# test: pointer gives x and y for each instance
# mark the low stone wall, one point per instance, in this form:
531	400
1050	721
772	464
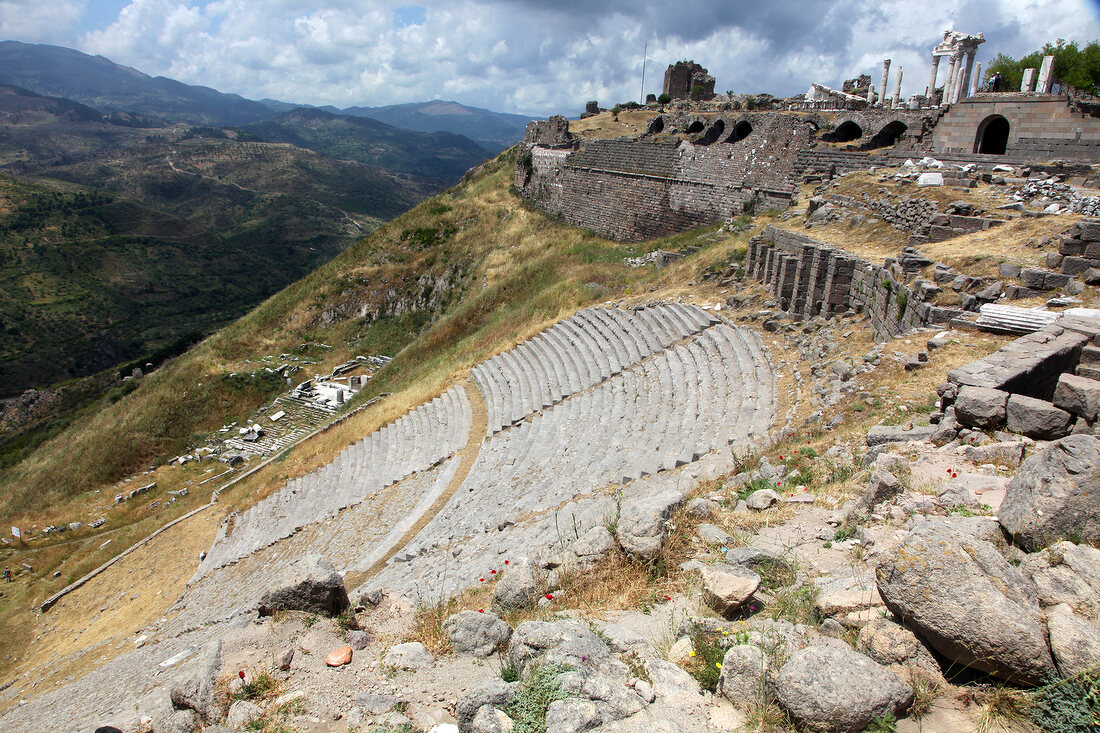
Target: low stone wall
810	278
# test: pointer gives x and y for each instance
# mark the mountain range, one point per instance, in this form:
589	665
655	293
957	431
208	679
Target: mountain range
136	211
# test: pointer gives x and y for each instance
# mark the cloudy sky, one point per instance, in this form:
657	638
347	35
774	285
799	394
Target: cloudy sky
529	56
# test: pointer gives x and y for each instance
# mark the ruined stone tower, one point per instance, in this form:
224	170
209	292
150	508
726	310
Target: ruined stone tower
683	75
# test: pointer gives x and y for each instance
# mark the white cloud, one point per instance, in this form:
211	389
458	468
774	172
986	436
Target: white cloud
37	21
527	56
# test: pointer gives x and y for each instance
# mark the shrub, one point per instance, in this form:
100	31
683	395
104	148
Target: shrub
698	91
706	665
528	708
664	99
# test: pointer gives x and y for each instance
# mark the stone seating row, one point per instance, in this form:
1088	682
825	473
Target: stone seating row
714	390
414	442
350	539
711	391
577	353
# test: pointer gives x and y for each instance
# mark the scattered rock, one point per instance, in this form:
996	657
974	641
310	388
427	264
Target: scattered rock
310	584
882	486
494	693
836	689
194	689
286	659
1079	395
700	508
558	642
725	588
892	644
591	547
358	640
762	499
178	721
1053	496
411	655
479	634
713	535
967	601
339	657
241	713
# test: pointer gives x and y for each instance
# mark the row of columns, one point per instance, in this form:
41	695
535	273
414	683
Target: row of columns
957	85
896	100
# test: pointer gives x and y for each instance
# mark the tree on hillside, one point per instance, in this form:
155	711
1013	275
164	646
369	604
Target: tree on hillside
1073	65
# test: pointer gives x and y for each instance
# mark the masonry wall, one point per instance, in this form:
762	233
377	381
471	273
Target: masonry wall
1041	126
636	190
810	278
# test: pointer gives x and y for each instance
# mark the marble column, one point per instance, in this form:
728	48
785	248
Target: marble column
932	79
870	95
897	87
977	79
949	83
1046	75
964	81
885	81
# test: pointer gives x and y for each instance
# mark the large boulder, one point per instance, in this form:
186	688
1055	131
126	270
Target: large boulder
518	588
980	407
310	584
242	713
968	602
641	527
479	634
1066	573
829	688
1054	495
193	688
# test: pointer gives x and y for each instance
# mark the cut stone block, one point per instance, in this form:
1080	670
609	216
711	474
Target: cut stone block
1079	395
980	407
1037	418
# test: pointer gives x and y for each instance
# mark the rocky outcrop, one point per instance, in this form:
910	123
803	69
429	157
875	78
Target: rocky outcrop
518	588
1054	496
968	602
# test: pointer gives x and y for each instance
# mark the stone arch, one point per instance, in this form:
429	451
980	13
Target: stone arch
741	130
717	127
815	121
890	133
656	125
846	131
695	127
992	135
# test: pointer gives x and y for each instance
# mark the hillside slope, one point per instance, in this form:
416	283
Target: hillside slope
443	155
176	229
492	130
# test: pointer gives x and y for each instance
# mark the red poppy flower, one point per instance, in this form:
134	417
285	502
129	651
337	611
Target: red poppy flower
481	610
481	580
549	596
505	562
492	572
241	674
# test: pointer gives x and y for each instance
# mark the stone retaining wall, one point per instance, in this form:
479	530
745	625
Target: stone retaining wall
810	278
636	190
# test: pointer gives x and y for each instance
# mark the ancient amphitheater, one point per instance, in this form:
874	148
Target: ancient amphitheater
537	447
